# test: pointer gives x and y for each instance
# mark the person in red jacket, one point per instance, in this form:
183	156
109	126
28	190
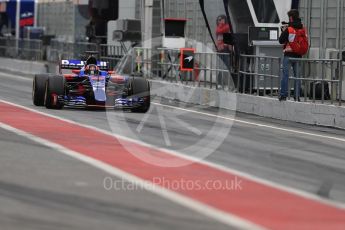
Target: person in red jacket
222	27
287	38
223	49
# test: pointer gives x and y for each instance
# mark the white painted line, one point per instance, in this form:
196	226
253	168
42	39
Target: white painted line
164	129
253	123
304	194
199	207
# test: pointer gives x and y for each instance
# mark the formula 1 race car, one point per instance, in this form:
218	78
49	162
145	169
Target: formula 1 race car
92	84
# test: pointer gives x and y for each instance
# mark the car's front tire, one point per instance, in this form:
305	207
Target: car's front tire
38	89
141	88
54	87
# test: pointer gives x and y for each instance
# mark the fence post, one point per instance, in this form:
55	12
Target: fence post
340	81
239	74
280	76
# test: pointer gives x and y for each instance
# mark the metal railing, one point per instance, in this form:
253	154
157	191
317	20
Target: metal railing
314	80
67	50
211	70
320	80
21	48
111	54
259	75
146	61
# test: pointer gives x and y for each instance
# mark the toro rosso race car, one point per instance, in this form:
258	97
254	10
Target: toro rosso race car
91	84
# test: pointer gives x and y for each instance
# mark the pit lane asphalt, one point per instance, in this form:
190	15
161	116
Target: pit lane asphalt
311	164
44	189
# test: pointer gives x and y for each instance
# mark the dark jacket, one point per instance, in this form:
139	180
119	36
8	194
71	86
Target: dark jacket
284	37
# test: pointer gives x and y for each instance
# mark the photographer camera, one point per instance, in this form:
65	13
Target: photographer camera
284	26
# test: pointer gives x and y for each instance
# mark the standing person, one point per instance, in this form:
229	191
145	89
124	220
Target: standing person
222	27
295	41
223	49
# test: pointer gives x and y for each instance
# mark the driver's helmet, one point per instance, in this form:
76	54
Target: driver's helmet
92	69
91	61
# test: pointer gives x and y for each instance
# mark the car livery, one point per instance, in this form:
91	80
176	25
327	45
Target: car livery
90	85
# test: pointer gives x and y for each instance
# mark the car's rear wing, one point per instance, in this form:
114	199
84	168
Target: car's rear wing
78	64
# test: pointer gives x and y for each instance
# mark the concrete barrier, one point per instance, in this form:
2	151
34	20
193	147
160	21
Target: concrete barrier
307	113
23	67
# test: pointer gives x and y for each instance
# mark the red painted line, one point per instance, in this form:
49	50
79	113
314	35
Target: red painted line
258	203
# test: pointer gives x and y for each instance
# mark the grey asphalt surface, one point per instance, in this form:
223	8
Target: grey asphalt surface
312	164
44	189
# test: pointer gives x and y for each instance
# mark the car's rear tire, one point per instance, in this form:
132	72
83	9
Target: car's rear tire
54	87
38	89
141	88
